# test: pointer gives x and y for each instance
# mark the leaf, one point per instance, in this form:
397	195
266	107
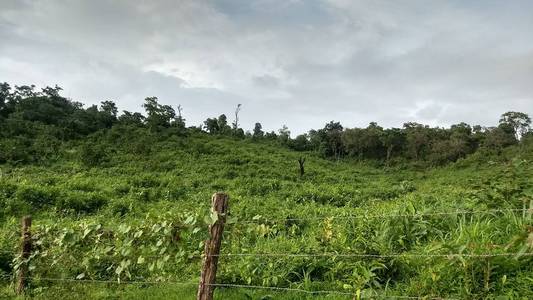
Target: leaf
214	217
189	220
86	232
80	276
140	260
119	270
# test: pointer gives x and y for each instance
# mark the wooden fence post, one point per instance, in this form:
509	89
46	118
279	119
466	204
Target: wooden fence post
219	203
25	254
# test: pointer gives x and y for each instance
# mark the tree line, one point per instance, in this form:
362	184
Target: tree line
33	122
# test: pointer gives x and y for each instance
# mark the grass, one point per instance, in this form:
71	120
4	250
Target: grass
141	217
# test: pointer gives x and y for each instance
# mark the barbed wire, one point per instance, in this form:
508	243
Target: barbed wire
451	255
360	255
110	281
229	285
365	215
223	285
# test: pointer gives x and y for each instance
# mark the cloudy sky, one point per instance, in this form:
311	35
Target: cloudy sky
299	63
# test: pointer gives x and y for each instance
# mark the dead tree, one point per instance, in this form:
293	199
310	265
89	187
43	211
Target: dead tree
236	122
301	162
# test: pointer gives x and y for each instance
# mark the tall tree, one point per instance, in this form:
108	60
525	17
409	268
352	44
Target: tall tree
211	125
518	121
333	131
158	115
258	132
5	90
393	139
418	139
223	127
180	121
235	123
284	135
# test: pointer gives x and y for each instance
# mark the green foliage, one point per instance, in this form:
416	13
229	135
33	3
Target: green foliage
124	198
92	155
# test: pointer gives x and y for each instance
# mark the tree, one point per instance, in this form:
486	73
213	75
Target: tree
235	123
284	135
392	139
258	132
5	90
109	107
211	125
499	137
108	114
129	118
223	126
300	143
352	142
418	138
180	121
519	122
158	115
372	140
271	135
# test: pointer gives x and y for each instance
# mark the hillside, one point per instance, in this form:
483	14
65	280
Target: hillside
137	213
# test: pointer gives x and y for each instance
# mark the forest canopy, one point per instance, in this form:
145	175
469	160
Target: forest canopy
35	123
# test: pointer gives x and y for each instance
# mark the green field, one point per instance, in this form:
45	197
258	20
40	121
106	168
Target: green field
140	217
121	205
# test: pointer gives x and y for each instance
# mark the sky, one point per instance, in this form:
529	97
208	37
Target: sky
288	62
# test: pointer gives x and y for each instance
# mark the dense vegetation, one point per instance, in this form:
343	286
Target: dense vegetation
126	198
33	124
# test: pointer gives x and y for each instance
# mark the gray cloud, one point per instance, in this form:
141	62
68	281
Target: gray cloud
300	63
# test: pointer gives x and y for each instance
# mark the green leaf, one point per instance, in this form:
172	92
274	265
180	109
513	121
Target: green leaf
86	232
189	220
140	260
119	270
214	217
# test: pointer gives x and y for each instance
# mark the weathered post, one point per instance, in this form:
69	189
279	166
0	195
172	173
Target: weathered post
301	162
219	204
25	254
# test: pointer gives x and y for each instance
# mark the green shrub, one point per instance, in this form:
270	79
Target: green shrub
36	196
92	155
82	202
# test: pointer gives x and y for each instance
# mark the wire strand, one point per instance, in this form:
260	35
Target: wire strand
365	215
222	285
110	281
452	255
228	285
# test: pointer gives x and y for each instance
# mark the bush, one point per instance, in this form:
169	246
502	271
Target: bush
93	155
36	196
82	202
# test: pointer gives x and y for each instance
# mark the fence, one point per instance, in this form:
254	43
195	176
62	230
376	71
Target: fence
211	255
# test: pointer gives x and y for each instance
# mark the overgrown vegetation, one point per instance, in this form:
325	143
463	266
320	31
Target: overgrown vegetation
126	198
